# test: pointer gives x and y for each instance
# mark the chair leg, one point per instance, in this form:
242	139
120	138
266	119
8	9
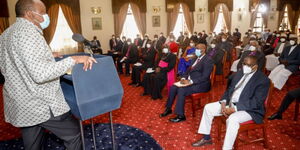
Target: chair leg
265	137
296	110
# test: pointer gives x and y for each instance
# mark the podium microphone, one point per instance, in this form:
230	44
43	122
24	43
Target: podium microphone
80	39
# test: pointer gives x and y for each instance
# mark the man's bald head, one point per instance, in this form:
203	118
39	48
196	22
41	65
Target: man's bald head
23	6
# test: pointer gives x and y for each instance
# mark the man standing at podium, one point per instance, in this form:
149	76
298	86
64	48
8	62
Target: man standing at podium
33	99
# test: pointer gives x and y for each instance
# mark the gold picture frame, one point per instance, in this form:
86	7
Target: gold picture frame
155	21
97	23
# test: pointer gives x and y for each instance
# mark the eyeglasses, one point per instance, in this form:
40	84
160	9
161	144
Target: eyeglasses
250	65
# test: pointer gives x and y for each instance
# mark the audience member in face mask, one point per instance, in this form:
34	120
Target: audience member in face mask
209	39
225	46
186	59
146	61
162	74
276	40
216	55
162	39
289	63
195	80
138	41
173	45
281	45
183	42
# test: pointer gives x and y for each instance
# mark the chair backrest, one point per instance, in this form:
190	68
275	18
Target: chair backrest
212	76
269	97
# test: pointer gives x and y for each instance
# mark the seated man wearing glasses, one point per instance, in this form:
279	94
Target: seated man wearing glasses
242	101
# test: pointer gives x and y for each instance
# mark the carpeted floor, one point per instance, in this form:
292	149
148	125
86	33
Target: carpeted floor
142	113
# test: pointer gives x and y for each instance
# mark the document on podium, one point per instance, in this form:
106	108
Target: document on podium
178	84
138	64
149	70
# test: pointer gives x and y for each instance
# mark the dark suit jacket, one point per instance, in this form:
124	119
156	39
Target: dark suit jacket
217	59
226	46
119	46
162	39
261	59
252	97
148	57
138	42
145	44
133	53
200	74
293	59
98	45
111	44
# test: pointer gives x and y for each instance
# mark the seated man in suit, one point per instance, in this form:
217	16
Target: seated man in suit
242	101
129	56
216	56
195	80
146	61
96	45
287	100
225	45
289	63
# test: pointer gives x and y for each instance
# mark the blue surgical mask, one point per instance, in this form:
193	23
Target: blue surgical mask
198	52
45	24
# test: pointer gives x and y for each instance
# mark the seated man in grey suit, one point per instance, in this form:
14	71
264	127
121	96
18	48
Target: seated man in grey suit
242	101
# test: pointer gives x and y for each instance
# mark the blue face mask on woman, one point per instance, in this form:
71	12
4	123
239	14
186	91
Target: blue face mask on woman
46	21
198	52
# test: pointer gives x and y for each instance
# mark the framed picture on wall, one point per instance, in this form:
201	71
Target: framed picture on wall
97	23
155	21
200	18
240	17
272	16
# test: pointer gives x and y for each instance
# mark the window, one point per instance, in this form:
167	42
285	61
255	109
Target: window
285	24
130	29
180	25
259	21
62	40
220	22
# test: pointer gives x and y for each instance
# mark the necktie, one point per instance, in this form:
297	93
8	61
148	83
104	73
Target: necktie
237	87
197	61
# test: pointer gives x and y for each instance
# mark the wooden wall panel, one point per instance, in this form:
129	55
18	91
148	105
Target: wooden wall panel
117	4
294	3
171	3
213	3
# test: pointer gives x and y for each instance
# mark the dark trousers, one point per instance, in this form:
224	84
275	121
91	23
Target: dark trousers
181	93
64	127
127	66
136	74
288	99
154	83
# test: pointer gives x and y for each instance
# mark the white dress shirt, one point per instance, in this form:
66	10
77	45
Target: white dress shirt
292	48
194	64
32	88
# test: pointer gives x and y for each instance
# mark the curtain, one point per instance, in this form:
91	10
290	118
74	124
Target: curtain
172	18
291	16
295	21
280	17
3	24
189	17
52	10
71	10
120	19
253	16
214	18
227	16
139	17
265	18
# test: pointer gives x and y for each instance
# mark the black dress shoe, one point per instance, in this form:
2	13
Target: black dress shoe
202	142
275	116
166	113
178	118
144	94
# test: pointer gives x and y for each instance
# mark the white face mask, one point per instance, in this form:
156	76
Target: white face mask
161	35
247	69
192	44
148	45
252	48
292	42
165	50
155	39
277	35
282	40
128	43
223	40
213	45
171	40
45	24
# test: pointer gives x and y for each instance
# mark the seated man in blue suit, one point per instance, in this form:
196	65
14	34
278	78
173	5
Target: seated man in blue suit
195	80
242	101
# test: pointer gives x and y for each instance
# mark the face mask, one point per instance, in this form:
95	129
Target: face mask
128	43
165	50
161	35
113	37
171	40
268	44
277	35
155	39
198	52
192	44
46	21
146	38
247	69
124	39
148	45
198	36
252	48
292	42
223	40
118	39
273	34
213	45
282	40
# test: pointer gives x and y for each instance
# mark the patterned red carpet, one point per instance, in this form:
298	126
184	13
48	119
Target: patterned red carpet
142	113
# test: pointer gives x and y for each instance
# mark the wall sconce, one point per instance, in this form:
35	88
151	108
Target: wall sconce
201	9
96	10
156	9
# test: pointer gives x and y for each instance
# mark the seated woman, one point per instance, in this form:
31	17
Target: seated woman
146	61
186	59
155	80
216	55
